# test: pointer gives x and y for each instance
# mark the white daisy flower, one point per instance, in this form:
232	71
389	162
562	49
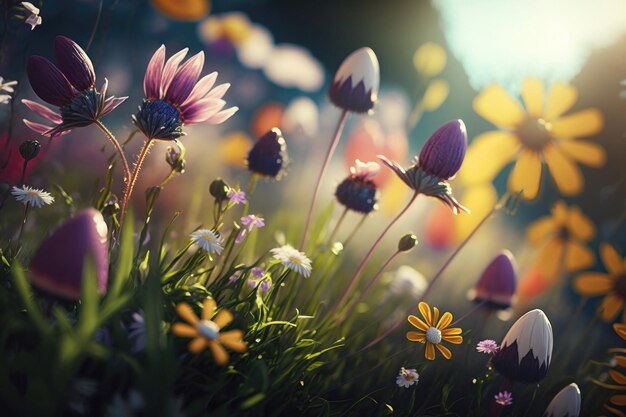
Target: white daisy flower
7	86
407	377
32	196
5	98
293	259
208	240
33	19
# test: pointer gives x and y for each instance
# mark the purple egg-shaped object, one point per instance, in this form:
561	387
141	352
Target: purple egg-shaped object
57	266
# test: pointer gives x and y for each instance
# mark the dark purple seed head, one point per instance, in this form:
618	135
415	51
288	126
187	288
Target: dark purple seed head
443	153
496	286
268	157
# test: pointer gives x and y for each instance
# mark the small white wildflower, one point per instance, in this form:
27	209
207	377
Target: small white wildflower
32	196
33	19
208	240
5	98
365	169
293	259
407	377
7	86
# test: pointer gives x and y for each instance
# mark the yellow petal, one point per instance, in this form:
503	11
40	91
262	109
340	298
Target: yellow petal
430	351
429	59
532	95
233	340
496	106
185	311
579	225
416	337
587	153
424	308
219	353
578	257
560	99
184	330
208	309
456	340
417	322
560	213
611	305
620	329
618	377
577	125
611	259
197	345
393	197
614	411
435	94
526	174
479	199
234	149
452	331
621	361
444	351
593	283
435	315
549	262
540	230
186	10
445	321
223	318
566	174
618	399
487	155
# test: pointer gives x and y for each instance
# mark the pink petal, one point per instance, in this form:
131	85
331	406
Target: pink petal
202	87
185	79
202	110
171	66
152	78
219	91
43	111
111	103
39	128
222	116
105	87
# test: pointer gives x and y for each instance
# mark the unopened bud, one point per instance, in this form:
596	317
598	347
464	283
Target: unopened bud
407	242
29	149
219	190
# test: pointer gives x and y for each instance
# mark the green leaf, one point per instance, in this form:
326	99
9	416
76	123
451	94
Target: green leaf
88	315
252	401
24	290
125	261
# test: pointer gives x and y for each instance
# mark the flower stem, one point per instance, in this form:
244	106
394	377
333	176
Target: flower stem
469	313
249	190
356	229
95	27
337	226
369	254
130	185
23	176
331	149
369	286
118	149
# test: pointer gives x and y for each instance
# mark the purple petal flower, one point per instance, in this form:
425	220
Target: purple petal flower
504	398
443	153
265	285
487	346
57	266
74	63
48	81
152	80
237	196
253	221
185	79
496	286
241	236
257	272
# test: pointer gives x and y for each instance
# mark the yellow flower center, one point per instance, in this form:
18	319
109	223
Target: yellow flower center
619	286
208	237
433	335
32	193
535	133
295	260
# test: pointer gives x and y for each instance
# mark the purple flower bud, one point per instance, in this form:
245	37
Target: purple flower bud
48	81
496	286
74	63
57	267
356	82
443	153
268	157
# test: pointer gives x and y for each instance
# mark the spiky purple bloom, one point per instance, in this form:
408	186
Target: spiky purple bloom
487	346
69	85
358	191
257	272
565	404
526	351
496	286
57	266
237	196
268	157
356	83
174	96
252	221
504	398
443	154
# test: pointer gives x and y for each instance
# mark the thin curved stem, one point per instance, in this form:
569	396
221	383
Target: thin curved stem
337	226
128	191
117	147
95	27
369	286
329	154
369	254
356	229
469	313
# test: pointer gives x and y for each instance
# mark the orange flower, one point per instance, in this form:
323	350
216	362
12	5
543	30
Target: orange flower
611	284
564	236
434	331
182	9
540	133
206	332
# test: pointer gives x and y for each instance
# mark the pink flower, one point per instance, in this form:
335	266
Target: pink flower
504	398
253	221
237	196
487	346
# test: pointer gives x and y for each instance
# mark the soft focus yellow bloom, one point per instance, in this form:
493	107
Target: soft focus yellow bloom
479	199
611	284
182	9
206	332
430	59
563	238
436	93
434	331
234	149
235	27
393	197
539	133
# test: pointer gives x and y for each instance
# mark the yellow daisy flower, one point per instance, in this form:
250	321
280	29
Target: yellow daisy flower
620	329
563	236
618	377
434	331
612	284
539	133
206	332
